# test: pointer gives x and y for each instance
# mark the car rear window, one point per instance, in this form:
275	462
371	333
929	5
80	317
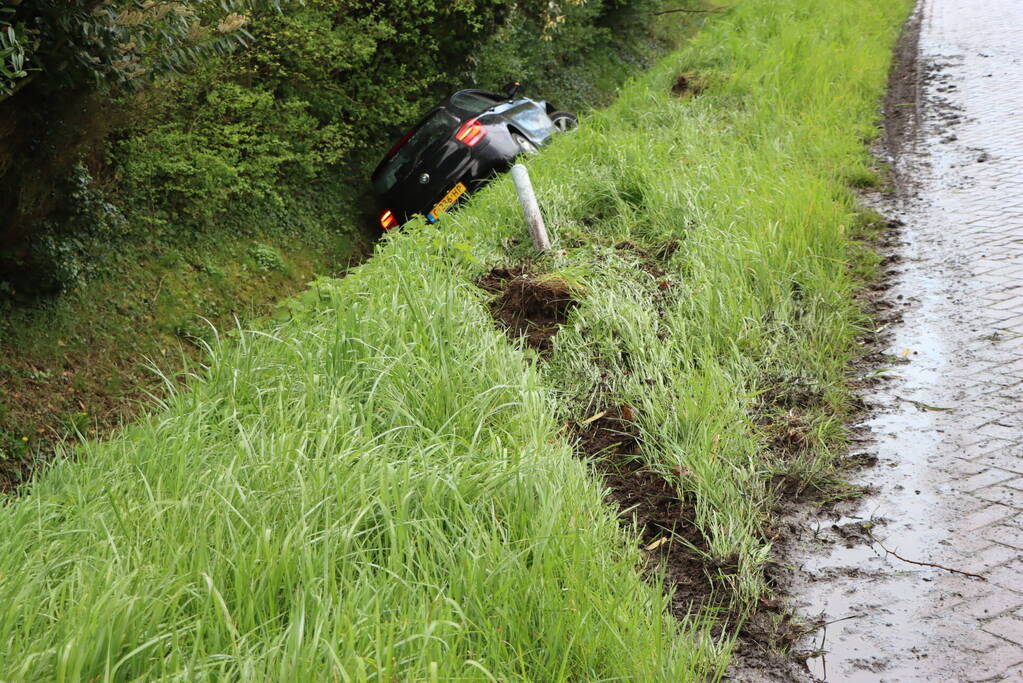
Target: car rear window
438	124
474	102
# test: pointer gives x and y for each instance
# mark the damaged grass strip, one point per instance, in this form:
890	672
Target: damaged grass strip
648	504
532	307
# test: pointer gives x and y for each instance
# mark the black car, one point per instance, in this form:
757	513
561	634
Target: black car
459	145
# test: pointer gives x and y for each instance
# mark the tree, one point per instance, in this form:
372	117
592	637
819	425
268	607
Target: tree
114	43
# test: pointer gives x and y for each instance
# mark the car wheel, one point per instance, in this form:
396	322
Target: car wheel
564	120
525	146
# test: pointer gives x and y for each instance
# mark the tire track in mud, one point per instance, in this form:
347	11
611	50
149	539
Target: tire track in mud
533	307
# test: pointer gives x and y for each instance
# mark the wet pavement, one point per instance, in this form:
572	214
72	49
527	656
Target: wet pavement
947	428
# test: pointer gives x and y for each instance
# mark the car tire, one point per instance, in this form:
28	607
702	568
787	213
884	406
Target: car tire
525	146
564	120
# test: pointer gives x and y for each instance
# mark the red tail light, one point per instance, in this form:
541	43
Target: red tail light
471	132
399	143
387	220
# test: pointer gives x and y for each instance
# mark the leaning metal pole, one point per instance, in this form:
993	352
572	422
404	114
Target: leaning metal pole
530	209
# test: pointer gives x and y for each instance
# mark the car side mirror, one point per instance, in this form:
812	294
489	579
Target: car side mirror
511	89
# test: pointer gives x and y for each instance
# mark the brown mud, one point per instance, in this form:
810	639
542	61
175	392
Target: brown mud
687	84
529	307
901	100
671	543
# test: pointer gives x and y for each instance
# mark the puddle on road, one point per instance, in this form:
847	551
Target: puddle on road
884	622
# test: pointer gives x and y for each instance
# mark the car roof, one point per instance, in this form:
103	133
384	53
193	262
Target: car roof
498	101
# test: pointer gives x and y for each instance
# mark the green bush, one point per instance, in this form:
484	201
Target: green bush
267	258
237	143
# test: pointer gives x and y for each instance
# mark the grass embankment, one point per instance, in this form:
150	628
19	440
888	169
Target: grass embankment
214	194
382	487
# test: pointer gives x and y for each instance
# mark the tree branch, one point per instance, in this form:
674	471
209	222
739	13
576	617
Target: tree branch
922	564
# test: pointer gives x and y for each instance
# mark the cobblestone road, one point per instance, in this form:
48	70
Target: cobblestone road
949	428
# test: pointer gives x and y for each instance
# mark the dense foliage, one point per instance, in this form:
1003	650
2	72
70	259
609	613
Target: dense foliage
299	112
114	42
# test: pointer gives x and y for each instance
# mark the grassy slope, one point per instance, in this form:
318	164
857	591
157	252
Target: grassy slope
380	486
79	362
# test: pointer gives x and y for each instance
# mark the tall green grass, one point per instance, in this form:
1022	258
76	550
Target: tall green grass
358	495
742	193
381	489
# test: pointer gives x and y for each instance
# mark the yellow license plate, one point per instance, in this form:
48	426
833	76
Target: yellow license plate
450	198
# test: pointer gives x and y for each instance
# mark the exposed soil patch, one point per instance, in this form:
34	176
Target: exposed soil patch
651	504
859	461
781	409
790	393
687	84
901	110
529	307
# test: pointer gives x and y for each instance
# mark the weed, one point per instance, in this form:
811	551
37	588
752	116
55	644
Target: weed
267	258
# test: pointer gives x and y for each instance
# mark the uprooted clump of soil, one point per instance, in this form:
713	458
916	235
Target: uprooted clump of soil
687	84
651	505
527	306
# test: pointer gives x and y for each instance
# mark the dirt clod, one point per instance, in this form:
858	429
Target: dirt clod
687	84
527	306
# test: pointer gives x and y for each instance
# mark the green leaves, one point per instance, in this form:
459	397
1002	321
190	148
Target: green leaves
12	52
118	44
316	86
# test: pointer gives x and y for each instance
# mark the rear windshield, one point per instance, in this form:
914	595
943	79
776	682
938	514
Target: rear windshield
439	124
474	102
